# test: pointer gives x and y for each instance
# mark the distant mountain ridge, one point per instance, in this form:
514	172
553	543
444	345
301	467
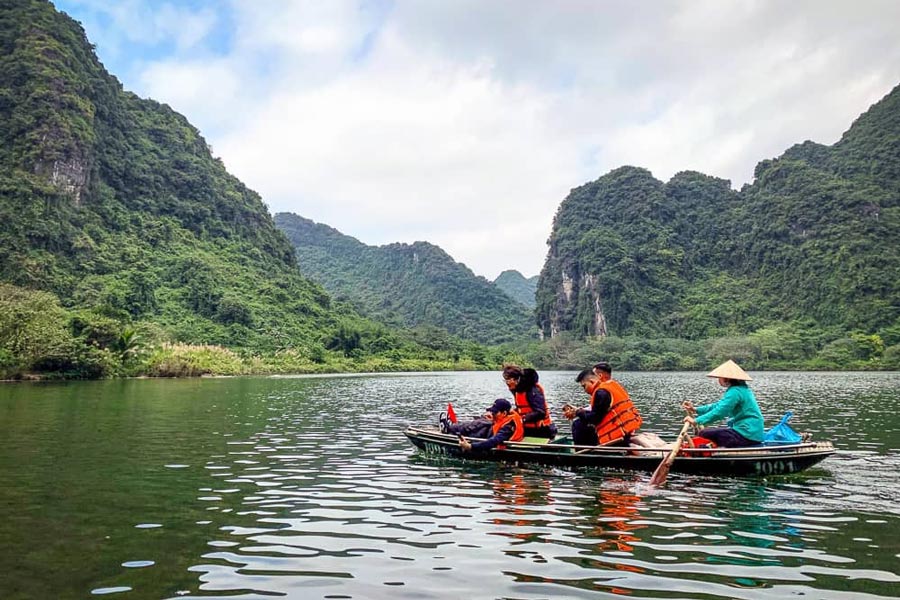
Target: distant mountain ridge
815	238
410	285
517	286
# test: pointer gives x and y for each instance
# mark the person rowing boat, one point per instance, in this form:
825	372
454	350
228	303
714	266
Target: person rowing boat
738	404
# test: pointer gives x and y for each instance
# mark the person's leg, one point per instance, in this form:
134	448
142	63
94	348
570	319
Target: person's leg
583	434
479	428
625	441
726	437
540	432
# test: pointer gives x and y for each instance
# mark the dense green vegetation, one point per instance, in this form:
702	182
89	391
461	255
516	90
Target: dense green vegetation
794	346
126	248
517	287
406	285
120	231
807	259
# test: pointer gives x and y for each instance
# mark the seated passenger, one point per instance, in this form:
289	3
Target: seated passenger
737	404
611	418
531	403
506	427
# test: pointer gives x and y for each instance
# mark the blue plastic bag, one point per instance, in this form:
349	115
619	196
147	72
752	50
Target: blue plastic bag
782	433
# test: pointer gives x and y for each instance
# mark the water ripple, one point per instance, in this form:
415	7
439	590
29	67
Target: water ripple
364	502
300	492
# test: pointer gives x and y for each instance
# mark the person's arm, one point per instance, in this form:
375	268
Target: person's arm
722	409
505	433
536	402
599	407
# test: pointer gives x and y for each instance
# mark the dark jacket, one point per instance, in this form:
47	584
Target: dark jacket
534	396
504	435
600	403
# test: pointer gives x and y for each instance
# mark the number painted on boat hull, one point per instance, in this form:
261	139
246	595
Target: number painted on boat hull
776	467
432	448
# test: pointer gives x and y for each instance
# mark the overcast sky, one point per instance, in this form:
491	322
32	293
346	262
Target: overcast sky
466	122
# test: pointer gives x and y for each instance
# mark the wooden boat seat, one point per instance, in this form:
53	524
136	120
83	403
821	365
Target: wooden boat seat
538	441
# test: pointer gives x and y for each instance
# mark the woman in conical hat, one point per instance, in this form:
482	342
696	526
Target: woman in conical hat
737	404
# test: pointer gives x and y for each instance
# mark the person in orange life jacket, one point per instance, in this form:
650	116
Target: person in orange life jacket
611	418
507	427
530	401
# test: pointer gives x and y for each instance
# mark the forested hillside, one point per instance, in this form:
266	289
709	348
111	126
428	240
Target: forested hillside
410	285
119	231
127	248
517	286
809	253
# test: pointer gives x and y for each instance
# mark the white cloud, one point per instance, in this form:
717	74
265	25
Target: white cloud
466	123
209	91
187	28
138	21
435	150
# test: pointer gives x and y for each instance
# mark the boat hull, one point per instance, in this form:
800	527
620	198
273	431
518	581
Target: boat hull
761	461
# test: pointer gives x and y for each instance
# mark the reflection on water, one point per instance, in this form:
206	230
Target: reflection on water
291	487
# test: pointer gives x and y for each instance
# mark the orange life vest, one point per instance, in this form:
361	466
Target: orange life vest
621	419
519	431
523	408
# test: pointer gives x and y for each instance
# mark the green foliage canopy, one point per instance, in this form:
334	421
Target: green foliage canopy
406	285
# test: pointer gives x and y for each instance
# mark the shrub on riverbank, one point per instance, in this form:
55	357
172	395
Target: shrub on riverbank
192	360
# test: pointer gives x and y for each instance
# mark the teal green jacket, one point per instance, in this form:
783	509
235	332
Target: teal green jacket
738	405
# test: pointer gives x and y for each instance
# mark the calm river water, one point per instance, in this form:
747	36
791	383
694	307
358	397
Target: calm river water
306	488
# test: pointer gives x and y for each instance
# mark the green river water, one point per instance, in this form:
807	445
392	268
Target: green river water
305	487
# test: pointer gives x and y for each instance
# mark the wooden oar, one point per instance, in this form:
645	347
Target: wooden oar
662	471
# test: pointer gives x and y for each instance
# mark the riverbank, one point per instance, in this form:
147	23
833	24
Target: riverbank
197	360
131	356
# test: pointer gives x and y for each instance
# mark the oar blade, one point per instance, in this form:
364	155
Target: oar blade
661	472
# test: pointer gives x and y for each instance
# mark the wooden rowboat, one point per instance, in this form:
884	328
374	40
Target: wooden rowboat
758	461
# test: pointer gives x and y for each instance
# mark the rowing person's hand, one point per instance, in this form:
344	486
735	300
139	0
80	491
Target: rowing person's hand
688	407
464	444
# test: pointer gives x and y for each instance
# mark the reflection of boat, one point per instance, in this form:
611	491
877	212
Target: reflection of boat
760	460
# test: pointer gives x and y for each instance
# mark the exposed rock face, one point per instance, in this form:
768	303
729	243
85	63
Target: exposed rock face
577	297
568	286
592	290
51	85
70	175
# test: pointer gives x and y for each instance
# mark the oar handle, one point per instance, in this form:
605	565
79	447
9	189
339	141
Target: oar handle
678	442
659	475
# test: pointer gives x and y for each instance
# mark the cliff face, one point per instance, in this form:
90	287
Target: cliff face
114	203
68	127
47	106
816	236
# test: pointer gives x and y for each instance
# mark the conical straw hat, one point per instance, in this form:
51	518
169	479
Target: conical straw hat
729	370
